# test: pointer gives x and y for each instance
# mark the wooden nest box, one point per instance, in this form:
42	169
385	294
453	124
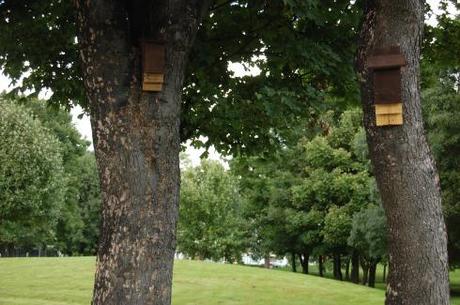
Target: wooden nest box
386	69
153	66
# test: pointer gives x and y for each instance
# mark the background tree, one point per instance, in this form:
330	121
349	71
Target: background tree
32	185
368	236
292	191
337	226
211	224
440	68
265	222
441	108
77	225
89	203
59	122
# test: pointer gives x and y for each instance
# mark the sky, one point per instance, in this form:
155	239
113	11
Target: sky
84	127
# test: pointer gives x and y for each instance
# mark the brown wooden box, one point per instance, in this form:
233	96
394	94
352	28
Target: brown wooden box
153	65
386	69
388	114
153	58
387	86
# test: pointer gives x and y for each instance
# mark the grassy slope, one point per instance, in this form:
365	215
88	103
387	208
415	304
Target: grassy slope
68	281
455	287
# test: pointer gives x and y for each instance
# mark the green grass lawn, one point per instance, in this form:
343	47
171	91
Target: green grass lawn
69	281
455	287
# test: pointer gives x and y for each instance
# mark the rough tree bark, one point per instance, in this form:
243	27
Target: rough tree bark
403	164
136	140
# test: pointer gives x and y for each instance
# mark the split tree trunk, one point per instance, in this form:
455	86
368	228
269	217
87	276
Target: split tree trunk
403	164
136	140
337	265
304	258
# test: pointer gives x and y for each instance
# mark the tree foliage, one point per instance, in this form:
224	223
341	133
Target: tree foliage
89	204
210	225
37	44
239	114
368	233
70	225
32	184
236	114
71	214
441	109
302	199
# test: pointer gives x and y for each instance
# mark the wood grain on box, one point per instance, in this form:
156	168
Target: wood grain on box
153	65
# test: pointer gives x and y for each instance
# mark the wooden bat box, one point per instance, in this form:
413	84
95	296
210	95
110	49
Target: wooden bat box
386	69
153	65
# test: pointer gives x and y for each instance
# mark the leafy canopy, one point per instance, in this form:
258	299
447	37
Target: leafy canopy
236	114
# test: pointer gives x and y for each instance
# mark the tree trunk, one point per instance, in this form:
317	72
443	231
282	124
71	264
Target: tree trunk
334	266
301	261
355	267
321	265
347	270
337	267
403	164
304	262
372	272
384	279
136	140
267	261
293	265
365	267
